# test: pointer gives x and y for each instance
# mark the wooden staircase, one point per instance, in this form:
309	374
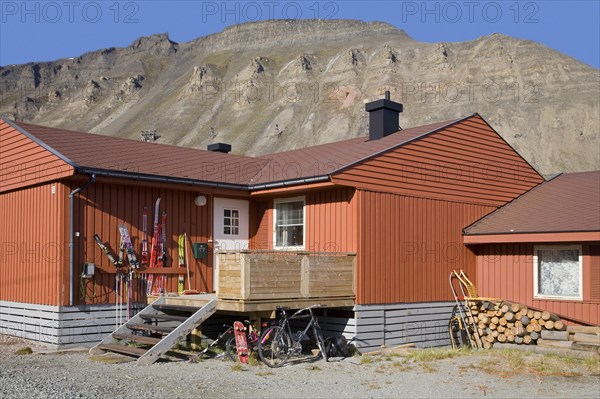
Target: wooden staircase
156	329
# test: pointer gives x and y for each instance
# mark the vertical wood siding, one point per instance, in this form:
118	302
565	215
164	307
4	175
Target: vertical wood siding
33	250
506	271
331	221
24	163
408	247
467	162
100	209
330	225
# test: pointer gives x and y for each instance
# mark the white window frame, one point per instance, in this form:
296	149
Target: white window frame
281	201
536	294
231	234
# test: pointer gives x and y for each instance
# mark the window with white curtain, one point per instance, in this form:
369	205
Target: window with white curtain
289	223
557	272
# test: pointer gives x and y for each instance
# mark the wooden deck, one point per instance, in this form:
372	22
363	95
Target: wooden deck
259	281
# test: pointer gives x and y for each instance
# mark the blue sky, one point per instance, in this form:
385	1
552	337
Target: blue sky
47	30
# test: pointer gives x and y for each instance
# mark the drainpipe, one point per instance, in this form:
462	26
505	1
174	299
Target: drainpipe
72	233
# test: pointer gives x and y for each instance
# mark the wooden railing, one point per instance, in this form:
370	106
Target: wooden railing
263	275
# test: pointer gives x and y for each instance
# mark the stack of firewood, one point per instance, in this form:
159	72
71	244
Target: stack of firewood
508	322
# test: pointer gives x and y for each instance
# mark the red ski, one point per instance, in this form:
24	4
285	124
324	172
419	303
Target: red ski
154	247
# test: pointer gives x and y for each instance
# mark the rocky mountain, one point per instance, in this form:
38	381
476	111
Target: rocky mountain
275	85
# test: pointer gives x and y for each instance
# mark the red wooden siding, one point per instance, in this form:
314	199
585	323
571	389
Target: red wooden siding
33	250
100	209
24	163
331	221
467	162
506	271
408	247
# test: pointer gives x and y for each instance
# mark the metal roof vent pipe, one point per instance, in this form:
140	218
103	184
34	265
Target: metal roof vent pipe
219	147
384	117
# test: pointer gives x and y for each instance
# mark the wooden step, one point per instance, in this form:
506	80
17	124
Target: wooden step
175	308
140	339
163	317
124	349
149	327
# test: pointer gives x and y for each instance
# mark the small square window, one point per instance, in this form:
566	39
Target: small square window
557	272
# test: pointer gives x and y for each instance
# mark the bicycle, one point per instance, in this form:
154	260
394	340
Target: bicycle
277	343
252	337
221	338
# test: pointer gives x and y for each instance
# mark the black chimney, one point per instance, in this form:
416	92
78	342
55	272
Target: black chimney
219	147
384	116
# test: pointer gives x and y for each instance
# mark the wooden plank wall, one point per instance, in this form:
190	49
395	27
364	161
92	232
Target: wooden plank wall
24	163
58	325
410	245
331	221
506	271
424	324
466	162
100	209
34	248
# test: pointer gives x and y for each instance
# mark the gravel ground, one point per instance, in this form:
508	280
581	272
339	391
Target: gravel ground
75	375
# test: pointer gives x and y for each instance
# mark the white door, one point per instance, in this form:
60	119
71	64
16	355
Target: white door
231	231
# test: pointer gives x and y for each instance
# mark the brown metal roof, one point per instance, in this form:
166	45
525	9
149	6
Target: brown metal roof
567	203
97	152
90	153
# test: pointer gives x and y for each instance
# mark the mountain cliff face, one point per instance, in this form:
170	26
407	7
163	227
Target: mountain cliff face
276	85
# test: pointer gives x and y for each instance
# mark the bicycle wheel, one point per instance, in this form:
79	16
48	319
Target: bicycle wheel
231	349
273	346
320	341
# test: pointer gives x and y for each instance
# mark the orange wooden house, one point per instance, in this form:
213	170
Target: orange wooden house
543	249
370	227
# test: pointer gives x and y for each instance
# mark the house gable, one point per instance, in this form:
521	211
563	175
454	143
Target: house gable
464	162
25	162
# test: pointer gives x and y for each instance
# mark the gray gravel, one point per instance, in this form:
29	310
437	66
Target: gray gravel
74	375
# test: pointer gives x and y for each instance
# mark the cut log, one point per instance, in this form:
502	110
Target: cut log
549	325
534	336
542	322
534	321
546	343
518	323
501	338
530	314
514	307
498	313
510	325
524	320
492	326
549	316
584	329
482	325
527	339
518	340
537	328
494	320
530	328
501	329
484	319
509	316
555	335
495	333
524	310
586	338
487	345
510	338
520	331
481	332
537	315
502	321
488	331
559	325
504	308
579	346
